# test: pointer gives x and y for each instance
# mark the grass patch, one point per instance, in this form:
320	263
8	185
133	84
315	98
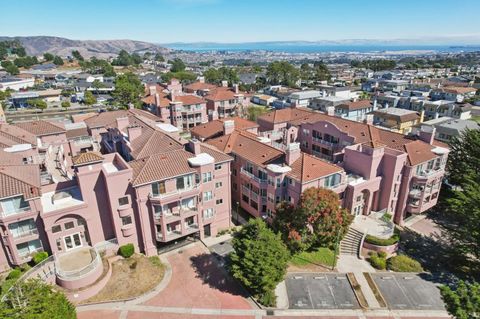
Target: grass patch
321	256
131	278
476	118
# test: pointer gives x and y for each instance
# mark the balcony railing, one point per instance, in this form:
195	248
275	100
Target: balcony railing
321	155
18	210
255	178
25	233
322	141
175	192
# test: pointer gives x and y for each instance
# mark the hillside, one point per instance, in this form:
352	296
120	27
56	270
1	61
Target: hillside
37	45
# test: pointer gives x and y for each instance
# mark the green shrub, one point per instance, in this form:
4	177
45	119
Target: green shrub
382	254
383	242
155	260
268	299
377	261
14	274
39	257
126	251
403	263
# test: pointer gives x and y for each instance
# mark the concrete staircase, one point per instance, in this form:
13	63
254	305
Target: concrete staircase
351	243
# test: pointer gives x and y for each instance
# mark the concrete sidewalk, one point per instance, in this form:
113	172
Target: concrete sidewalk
367	291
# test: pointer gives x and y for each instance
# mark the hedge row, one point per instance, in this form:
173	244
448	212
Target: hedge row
381	241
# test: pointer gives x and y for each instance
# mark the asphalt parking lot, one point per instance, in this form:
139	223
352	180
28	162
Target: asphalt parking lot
320	291
408	291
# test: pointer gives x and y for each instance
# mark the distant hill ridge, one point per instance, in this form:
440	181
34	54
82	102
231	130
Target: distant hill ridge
37	45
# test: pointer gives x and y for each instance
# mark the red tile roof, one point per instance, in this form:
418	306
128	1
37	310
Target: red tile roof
87	158
247	146
41	127
357	105
20	179
195	86
215	128
309	168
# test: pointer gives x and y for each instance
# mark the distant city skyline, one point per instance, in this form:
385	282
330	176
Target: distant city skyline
224	21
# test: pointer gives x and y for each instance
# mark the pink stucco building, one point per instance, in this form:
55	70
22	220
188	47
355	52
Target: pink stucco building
385	171
59	193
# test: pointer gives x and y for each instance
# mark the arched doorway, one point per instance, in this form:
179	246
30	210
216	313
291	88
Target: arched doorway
70	232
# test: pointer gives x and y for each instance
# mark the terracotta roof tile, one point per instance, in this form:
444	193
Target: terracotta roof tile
20	179
309	168
195	86
215	128
41	128
247	146
357	105
16	135
86	158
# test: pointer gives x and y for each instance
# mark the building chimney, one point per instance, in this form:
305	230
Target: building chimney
427	134
235	88
157	99
228	127
225	84
292	153
422	116
194	146
134	132
369	119
375	103
172	95
331	110
201	79
122	123
153	89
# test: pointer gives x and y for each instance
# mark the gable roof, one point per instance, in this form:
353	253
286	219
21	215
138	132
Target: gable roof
353	106
309	168
152	143
11	135
215	128
86	158
158	167
41	127
195	86
20	179
247	146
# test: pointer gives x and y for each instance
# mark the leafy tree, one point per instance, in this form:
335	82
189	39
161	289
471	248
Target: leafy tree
462	301
97	84
216	76
255	111
57	60
76	54
159	58
88	98
128	90
136	59
48	56
461	209
259	259
316	221
97	66
25	62
147	55
182	76
177	65
35	299
38	103
123	59
282	72
10	67
66	104
19	51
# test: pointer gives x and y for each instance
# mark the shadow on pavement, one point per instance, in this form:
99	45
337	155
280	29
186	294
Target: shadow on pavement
206	268
437	256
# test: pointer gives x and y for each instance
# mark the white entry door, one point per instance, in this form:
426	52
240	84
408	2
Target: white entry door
72	241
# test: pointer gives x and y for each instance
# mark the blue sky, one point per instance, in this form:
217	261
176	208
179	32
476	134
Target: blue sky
163	21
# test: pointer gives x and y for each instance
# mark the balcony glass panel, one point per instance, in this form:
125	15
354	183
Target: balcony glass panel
14	206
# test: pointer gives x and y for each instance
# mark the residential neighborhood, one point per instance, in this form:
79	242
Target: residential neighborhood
242	180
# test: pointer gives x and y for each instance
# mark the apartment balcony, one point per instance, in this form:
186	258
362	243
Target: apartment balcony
261	182
175	215
175	234
25	235
324	142
425	175
323	156
415	193
179	193
17	211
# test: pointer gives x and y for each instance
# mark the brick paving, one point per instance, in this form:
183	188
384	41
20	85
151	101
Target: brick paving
197	282
99	314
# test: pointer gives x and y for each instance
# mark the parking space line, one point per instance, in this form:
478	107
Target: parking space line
404	292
